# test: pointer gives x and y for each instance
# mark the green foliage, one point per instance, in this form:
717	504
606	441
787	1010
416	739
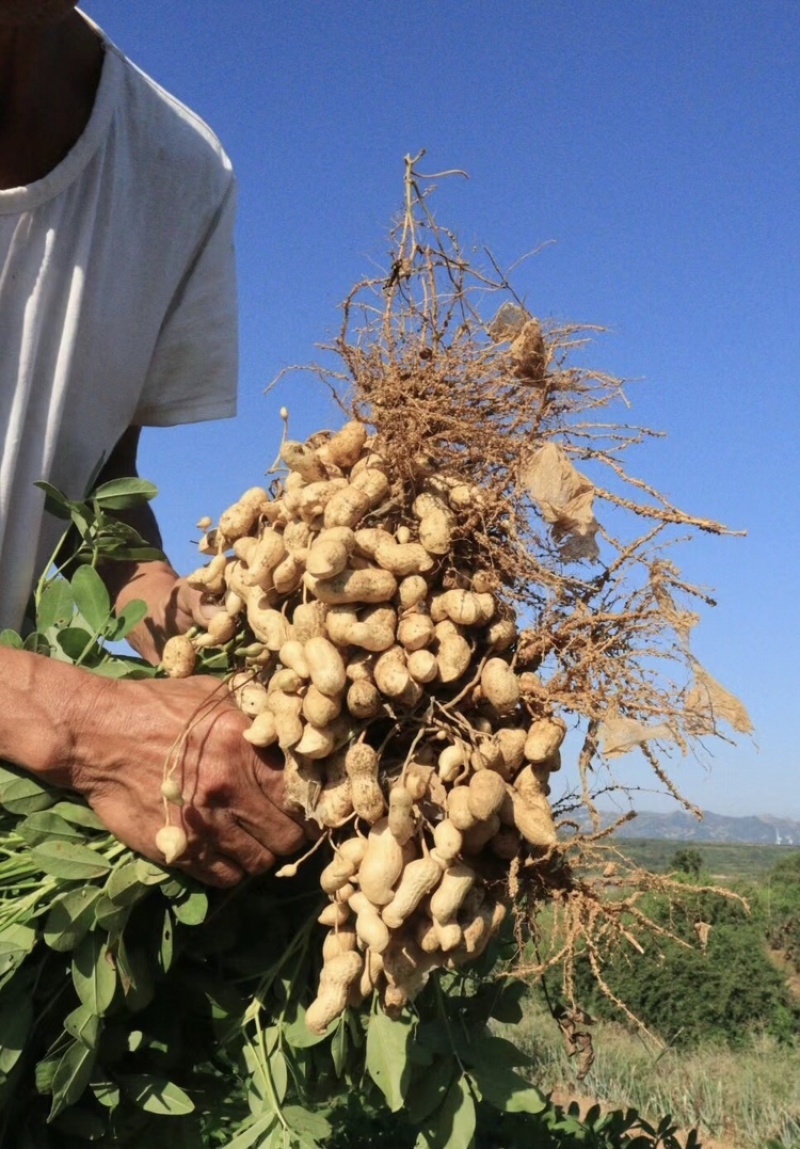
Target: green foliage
137	1008
141	1009
687	861
787	869
555	1127
785	937
726	862
779	905
687	994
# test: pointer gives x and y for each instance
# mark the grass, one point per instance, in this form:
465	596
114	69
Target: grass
723	860
742	1099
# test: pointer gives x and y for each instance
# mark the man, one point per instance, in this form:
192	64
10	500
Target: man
117	310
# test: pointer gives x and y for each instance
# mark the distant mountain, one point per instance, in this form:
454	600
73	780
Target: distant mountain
681	826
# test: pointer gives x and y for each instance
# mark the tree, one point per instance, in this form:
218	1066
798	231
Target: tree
688	860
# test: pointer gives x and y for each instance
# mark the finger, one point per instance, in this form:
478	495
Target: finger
278	833
198	605
200	861
269	776
248	851
218	851
218	871
235	841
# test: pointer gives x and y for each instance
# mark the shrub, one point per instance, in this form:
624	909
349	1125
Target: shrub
685	993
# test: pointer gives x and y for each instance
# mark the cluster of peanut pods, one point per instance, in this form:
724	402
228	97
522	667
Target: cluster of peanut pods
385	674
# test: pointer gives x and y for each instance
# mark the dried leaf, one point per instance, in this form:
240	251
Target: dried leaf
529	355
565	499
662	579
618	735
708	703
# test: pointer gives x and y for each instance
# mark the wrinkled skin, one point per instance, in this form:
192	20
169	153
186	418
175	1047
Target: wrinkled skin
234	809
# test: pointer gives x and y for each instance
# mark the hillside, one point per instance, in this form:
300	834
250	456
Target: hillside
681	826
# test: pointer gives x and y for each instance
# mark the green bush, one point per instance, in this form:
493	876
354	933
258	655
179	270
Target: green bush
687	995
787	869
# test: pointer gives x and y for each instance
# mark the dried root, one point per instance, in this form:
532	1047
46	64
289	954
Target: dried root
423	603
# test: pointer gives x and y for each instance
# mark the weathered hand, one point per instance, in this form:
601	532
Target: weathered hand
173	608
234	812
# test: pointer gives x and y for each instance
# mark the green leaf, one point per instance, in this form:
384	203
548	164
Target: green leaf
150	873
44	825
82	519
453	1124
93	974
306	1123
497	1052
106	1091
156	1095
166	950
55	605
119	494
70	860
124	886
10	638
176	886
387	1058
193	910
74	641
70	919
129	617
507	1007
133	968
252	1132
339	1045
507	1090
75	811
91	597
126	553
71	1077
280	1074
16	1016
84	1026
43	1073
436	1036
55	503
297	1033
38	643
21	794
110	917
124	668
428	1089
16	942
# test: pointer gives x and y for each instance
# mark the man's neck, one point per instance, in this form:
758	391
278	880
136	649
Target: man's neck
48	82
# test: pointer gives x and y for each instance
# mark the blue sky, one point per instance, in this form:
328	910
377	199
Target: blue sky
655	147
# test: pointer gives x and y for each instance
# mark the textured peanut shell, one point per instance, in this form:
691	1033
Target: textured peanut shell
178	658
499	685
382	865
418	879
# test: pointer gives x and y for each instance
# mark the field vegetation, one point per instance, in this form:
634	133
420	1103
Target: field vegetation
723	861
718	1044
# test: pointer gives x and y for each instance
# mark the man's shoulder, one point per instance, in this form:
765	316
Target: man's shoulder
168	137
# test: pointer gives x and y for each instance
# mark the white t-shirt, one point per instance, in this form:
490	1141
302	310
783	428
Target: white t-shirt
117	304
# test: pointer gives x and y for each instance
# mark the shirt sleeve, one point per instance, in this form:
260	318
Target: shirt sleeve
193	374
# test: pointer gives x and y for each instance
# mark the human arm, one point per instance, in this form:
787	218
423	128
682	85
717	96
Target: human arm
172	605
112	741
